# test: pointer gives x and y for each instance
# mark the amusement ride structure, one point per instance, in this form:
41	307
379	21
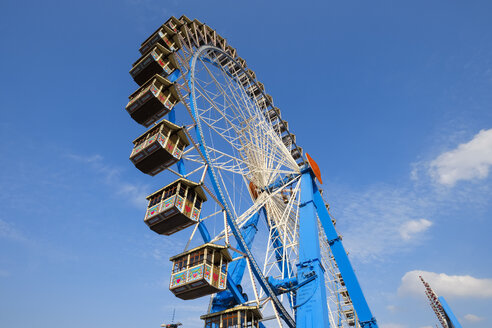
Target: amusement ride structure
244	194
172	324
443	311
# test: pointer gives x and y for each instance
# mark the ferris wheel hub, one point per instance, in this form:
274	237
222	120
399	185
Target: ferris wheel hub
254	166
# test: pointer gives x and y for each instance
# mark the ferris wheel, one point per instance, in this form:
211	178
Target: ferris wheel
259	238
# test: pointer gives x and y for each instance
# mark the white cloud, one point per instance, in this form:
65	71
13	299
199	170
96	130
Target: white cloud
473	318
468	161
42	248
446	285
7	231
86	159
410	229
391	308
135	193
380	221
384	220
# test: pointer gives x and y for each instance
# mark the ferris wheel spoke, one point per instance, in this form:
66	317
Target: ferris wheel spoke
213	123
247	161
239	112
233	187
259	113
241	147
212	127
278	258
228	166
239	167
228	104
260	202
211	98
252	279
243	98
224	109
193	158
223	133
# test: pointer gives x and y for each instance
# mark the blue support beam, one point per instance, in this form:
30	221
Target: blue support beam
452	320
282	286
231	284
262	280
311	307
174	75
225	299
361	307
233	288
248	231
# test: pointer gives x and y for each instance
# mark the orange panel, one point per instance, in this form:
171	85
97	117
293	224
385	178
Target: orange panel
315	168
252	189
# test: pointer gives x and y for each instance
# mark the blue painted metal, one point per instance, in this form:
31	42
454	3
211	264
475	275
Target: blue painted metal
225	299
232	286
361	307
311	295
172	116
281	182
181	167
281	286
232	223
248	231
174	75
452	320
312	310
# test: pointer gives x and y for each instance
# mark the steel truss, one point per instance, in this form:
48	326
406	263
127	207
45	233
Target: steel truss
267	205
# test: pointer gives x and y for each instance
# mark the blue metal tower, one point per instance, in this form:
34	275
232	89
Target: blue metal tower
166	76
311	295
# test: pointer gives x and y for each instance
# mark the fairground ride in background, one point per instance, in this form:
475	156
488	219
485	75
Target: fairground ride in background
441	308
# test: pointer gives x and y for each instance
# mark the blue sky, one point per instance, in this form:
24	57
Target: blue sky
393	100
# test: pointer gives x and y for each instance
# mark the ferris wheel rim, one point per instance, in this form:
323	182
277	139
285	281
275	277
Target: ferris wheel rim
195	116
214	181
264	161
